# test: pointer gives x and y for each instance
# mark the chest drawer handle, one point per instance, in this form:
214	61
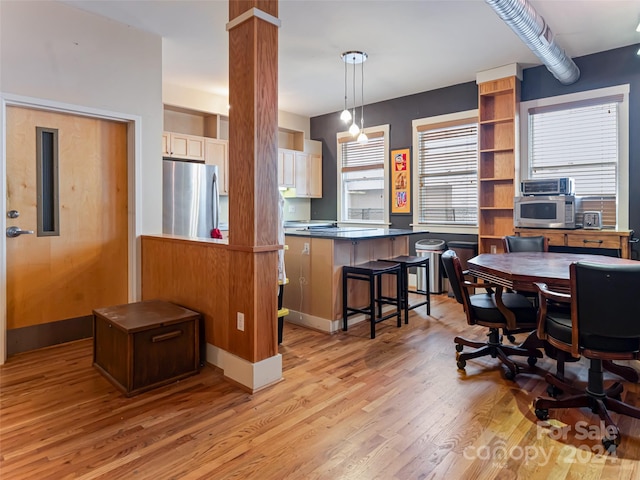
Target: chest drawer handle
166	336
592	241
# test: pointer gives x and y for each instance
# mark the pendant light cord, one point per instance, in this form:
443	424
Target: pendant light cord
362	97
345	85
354	89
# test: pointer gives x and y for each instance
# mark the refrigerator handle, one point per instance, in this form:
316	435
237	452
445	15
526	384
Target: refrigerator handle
215	202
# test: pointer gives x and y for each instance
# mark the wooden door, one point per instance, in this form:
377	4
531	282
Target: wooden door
85	265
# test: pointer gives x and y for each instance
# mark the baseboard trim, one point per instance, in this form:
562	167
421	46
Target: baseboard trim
44	335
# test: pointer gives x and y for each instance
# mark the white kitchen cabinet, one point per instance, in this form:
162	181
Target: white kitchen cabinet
217	153
180	145
302	174
315	175
308	175
286	168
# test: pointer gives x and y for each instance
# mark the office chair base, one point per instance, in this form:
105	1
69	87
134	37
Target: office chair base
496	349
601	401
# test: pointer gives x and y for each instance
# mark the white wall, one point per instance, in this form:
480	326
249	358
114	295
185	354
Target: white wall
54	52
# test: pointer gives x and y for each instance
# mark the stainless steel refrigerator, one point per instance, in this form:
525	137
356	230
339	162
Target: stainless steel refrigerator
190	199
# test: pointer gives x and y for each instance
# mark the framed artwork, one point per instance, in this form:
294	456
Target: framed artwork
401	181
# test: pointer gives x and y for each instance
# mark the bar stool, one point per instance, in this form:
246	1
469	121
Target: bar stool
406	262
371	272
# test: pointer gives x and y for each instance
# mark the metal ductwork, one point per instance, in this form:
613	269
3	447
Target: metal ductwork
536	34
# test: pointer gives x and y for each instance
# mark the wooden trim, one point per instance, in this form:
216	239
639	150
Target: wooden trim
450	123
254	12
349	138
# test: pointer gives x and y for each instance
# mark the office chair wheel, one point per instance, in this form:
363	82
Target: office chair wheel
511	338
461	364
553	391
459	347
542	413
509	374
610	444
532	361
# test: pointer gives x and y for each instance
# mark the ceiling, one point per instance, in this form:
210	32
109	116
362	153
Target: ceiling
413	46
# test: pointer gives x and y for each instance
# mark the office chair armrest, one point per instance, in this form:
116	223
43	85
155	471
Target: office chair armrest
545	294
487	286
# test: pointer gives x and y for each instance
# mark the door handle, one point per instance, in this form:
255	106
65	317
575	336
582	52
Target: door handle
16	232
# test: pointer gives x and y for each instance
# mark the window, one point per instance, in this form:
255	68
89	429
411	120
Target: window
362	178
581	137
446	153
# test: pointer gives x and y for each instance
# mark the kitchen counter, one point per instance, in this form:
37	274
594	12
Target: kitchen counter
314	261
349	233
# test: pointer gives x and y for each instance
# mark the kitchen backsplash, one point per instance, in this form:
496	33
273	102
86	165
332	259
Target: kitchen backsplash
297	209
294	209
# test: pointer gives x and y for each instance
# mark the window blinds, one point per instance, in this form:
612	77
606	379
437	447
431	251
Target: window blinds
448	174
363	157
579	140
363	180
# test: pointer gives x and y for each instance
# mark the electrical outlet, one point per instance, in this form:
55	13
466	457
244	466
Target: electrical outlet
240	321
292	209
305	248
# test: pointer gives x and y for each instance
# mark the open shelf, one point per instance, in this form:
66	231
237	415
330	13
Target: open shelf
498	102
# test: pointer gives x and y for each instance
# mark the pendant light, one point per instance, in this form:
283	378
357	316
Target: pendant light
354	58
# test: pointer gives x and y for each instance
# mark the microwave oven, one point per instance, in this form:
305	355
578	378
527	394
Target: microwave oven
553	211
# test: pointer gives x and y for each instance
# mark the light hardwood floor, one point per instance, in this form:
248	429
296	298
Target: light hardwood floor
349	408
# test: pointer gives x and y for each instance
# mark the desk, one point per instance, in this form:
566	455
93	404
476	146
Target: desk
519	271
593	239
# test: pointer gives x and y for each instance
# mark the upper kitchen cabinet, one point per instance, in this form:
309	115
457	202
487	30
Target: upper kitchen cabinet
286	168
217	153
300	167
179	145
498	106
308	174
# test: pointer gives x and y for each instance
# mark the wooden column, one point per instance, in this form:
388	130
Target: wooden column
253	188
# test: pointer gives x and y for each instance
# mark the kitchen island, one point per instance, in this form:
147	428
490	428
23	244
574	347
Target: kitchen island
314	262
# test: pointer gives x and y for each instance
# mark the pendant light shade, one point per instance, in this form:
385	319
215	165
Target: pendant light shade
354	58
345	116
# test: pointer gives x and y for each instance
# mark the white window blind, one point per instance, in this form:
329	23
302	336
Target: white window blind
363	179
448	174
579	140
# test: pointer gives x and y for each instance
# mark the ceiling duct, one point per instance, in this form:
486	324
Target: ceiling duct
536	34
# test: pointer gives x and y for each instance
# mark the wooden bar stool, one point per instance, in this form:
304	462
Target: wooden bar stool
372	272
406	262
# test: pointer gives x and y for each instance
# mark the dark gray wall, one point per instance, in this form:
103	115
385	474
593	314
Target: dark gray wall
605	69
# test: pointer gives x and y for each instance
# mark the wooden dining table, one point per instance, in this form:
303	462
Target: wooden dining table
521	270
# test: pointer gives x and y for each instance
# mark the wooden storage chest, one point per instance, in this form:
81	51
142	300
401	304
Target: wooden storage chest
140	346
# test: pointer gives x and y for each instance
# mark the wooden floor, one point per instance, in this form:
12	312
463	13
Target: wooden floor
349	408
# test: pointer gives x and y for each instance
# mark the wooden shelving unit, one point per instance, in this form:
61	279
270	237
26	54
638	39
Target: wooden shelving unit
498	107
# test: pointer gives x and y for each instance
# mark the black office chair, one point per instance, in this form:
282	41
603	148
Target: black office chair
514	243
602	326
482	309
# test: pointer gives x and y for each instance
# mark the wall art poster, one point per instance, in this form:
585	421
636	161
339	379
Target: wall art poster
401	181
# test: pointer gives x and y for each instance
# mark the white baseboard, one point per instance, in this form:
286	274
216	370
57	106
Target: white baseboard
253	376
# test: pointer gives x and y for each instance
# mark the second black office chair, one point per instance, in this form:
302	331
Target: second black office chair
516	315
603	325
513	243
